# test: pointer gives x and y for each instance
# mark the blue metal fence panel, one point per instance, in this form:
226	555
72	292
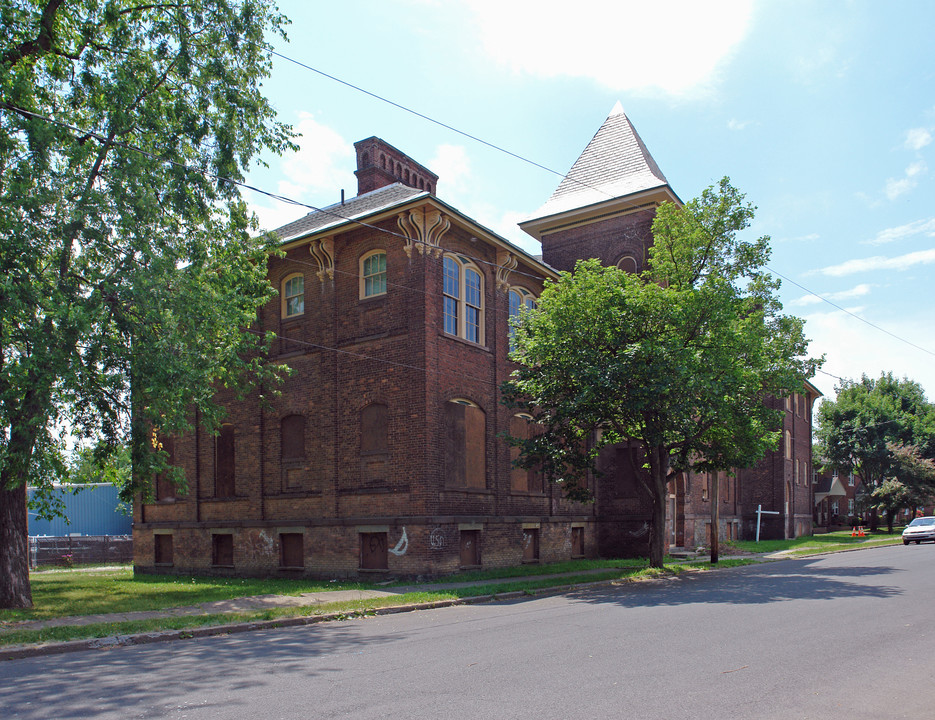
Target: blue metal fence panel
93	510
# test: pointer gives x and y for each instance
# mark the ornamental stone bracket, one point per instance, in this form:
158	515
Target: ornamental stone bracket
323	252
424	229
506	263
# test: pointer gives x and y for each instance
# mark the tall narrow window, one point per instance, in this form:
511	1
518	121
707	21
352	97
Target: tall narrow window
165	488
523	479
293	296
465	447
374	445
452	294
224	453
463	299
520	300
373	274
292	450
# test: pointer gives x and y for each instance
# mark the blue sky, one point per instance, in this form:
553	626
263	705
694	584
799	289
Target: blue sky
823	113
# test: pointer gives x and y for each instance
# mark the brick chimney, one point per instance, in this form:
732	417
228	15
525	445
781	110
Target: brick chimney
380	164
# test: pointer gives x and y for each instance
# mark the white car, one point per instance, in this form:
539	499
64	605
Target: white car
920	529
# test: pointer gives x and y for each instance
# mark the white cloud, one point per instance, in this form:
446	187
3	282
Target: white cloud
453	167
894	188
612	42
852	348
856	291
880	262
323	161
323	164
918	138
919	227
734	124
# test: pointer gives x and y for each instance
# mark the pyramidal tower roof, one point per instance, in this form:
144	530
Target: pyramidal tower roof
615	164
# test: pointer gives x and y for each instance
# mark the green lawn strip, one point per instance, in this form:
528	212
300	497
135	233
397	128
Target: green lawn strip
828	542
351	607
88	592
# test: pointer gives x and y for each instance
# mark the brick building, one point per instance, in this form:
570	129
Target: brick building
384	452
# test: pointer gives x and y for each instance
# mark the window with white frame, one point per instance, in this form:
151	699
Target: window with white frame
293	296
373	274
520	300
463	293
850	479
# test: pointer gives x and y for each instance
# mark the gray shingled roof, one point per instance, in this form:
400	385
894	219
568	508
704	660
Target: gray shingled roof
356	207
615	163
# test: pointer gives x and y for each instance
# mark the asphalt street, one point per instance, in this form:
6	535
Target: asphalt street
836	636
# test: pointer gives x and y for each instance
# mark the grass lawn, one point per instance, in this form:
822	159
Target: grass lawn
828	542
84	591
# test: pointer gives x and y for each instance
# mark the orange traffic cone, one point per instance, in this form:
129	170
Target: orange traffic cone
854	531
860	532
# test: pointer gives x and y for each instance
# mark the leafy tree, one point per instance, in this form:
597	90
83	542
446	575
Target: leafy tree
129	270
859	430
103	464
676	361
912	485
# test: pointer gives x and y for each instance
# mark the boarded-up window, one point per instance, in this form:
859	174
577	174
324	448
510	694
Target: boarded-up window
165	488
291	550
629	464
704	487
224	462
577	542
523	479
374	445
292	451
222	550
470	548
163	549
465	448
530	544
292	433
373	555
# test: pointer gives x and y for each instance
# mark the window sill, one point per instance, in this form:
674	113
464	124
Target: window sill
465	341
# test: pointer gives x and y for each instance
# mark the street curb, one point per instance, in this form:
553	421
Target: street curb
17	652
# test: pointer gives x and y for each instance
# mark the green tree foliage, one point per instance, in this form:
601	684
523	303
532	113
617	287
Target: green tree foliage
866	429
129	274
677	361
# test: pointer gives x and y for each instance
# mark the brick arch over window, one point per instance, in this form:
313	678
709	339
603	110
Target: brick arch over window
465	453
628	263
374	445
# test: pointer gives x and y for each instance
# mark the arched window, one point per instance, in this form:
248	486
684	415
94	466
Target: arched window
520	300
628	264
463	299
373	274
293	296
465	444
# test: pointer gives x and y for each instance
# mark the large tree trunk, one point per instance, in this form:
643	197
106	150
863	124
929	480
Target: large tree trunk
659	468
715	517
14	548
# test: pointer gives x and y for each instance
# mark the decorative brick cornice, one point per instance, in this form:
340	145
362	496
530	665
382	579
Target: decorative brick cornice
424	229
506	263
323	251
